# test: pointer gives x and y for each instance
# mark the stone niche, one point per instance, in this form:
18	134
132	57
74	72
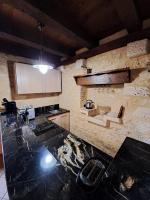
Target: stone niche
101	115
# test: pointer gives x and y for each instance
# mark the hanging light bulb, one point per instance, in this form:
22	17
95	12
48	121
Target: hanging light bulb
43	68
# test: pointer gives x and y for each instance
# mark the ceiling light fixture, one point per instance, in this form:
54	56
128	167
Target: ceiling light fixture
43	68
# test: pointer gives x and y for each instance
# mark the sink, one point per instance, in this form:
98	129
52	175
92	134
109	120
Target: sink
55	111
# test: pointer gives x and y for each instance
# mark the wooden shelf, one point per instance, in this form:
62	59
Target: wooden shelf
99	120
118	76
88	112
104	120
112	117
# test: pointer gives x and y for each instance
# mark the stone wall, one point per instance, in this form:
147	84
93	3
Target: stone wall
134	97
5	88
136	120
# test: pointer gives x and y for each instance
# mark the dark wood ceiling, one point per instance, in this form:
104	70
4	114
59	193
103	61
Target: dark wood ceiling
69	24
143	7
92	17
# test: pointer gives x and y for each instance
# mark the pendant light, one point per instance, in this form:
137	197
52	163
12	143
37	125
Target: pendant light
43	68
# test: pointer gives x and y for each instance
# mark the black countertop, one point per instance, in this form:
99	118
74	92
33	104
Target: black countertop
45	166
129	173
47	112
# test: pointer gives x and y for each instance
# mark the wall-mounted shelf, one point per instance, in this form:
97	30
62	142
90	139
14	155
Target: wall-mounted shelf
99	120
104	120
88	112
113	77
112	117
94	116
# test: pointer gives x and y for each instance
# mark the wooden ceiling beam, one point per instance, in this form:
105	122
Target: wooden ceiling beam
118	43
64	16
47	20
128	14
18	40
12	48
29	35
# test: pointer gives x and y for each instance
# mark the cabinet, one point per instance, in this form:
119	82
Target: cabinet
63	120
30	81
52	81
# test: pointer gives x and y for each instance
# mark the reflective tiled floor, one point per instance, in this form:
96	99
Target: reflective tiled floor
3	187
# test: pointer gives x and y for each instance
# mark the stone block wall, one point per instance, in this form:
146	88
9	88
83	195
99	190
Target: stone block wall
136	119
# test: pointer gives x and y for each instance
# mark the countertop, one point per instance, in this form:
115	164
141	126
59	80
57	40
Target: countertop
45	167
129	173
49	114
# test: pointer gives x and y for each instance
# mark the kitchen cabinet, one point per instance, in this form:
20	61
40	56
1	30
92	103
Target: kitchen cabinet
63	120
31	81
52	81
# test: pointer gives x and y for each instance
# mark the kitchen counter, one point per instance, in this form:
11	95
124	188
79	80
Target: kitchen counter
46	113
45	167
